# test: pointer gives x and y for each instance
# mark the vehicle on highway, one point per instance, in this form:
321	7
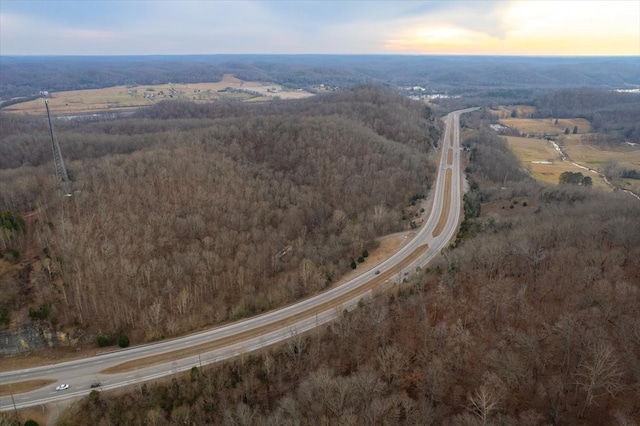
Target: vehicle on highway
88	370
63	386
95	385
377	272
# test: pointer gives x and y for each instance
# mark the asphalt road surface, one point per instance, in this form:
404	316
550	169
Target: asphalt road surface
155	360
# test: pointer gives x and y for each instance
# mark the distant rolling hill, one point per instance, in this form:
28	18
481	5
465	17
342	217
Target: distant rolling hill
25	76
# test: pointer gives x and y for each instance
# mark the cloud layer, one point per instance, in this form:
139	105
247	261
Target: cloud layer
411	27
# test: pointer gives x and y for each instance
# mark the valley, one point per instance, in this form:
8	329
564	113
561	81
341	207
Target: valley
255	251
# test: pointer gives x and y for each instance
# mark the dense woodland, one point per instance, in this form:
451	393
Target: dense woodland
612	113
191	215
183	211
486	76
532	318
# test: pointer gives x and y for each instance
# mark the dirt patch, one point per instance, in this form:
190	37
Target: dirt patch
26	386
387	246
517	206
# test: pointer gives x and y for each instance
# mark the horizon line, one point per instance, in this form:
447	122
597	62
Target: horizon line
329	54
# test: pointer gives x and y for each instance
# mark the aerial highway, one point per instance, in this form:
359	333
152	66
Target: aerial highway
152	361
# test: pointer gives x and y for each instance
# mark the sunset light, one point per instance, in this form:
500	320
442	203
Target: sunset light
566	28
531	28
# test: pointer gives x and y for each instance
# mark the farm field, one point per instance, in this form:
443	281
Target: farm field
542	126
595	157
543	161
122	97
622	157
536	153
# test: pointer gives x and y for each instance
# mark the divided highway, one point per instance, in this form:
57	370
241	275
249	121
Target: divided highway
147	362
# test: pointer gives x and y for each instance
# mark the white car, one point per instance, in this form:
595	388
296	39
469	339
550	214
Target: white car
63	386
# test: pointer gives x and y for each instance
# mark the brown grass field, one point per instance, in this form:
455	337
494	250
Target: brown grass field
541	126
531	150
123	98
597	157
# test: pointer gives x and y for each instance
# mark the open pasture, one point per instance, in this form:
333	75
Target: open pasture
532	149
597	157
546	126
125	97
543	161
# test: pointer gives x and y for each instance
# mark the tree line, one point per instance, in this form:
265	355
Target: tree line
613	113
490	77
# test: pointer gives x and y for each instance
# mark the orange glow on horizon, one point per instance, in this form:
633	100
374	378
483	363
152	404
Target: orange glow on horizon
535	28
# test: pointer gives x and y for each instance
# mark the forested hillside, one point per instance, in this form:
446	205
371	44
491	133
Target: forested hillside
612	113
191	215
500	76
532	319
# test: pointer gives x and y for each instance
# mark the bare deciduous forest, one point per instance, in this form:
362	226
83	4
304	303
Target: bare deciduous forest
191	215
485	76
616	114
531	318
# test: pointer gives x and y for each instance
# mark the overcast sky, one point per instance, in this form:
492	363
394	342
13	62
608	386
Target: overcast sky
129	27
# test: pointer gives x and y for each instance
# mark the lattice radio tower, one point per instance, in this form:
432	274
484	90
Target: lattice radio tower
61	170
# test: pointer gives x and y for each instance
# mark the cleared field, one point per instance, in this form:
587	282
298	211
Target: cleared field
532	149
595	157
123	97
543	161
541	126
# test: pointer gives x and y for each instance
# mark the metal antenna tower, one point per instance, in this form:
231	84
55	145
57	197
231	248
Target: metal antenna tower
61	170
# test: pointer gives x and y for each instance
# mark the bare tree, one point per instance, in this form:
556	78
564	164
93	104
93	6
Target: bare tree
599	374
487	397
392	362
296	345
624	419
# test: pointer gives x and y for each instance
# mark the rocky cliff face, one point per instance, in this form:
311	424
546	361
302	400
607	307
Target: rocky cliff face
29	338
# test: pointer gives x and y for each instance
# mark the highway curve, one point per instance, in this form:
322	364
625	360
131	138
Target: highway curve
147	362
